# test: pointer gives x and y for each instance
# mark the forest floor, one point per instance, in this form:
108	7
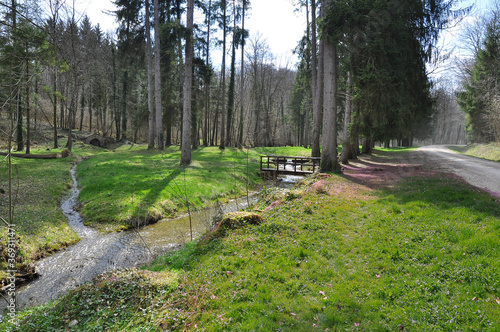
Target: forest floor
388	245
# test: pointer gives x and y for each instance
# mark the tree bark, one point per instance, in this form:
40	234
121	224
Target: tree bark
346	142
149	56
28	111
230	95
307	123
159	115
240	126
188	81
317	85
207	83
223	73
124	104
329	162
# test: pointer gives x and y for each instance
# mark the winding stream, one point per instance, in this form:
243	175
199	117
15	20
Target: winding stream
98	253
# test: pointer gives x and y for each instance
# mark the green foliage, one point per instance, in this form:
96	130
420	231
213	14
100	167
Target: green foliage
478	98
385	45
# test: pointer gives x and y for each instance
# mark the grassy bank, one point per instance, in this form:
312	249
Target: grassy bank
117	186
40	225
120	187
489	151
422	254
38	187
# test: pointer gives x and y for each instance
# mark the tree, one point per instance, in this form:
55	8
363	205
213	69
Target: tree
130	55
223	4
329	162
244	5
480	92
149	56
159	114
315	86
188	82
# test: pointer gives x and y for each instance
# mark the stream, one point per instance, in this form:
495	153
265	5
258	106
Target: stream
98	253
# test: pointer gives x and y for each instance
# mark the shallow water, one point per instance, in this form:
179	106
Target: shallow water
98	253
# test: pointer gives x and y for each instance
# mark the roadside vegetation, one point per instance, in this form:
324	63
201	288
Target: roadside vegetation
419	253
489	151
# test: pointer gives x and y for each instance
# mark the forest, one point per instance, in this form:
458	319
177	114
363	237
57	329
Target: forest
479	94
151	212
361	77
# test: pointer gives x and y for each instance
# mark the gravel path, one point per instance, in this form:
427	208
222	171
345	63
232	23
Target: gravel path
480	173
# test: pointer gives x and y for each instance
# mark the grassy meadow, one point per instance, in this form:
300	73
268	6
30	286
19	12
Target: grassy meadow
334	254
131	182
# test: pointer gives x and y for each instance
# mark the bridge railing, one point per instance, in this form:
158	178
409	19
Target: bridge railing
288	165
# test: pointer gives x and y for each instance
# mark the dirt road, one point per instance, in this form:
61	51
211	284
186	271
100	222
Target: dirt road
480	173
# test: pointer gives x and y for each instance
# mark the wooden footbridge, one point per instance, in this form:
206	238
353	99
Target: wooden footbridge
285	165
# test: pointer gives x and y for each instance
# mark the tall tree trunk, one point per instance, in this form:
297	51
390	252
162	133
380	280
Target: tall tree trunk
307	129
207	82
124	105
149	57
159	115
116	114
230	94
188	82
318	96
54	109
367	145
316	87
19	115
329	161
82	109
90	109
19	122
346	142
28	124
240	126
223	73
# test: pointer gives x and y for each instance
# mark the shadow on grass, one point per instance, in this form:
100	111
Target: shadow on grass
155	192
416	183
445	193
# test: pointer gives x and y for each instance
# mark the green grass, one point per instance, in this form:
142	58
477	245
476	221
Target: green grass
423	255
38	187
397	149
40	225
293	151
489	151
119	186
116	186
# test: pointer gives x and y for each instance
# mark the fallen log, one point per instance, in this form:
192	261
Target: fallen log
63	154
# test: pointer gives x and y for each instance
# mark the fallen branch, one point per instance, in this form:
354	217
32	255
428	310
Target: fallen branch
63	154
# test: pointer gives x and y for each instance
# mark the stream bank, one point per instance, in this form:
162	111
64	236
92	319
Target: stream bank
97	253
